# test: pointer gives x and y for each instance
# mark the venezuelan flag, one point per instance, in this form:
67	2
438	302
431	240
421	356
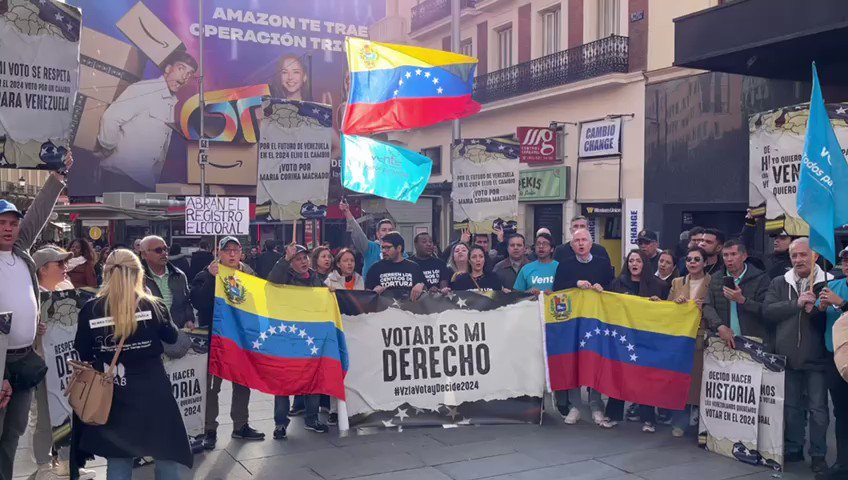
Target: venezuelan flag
626	347
398	87
278	339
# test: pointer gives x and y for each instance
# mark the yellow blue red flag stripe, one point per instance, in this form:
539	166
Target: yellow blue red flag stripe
278	339
627	347
398	87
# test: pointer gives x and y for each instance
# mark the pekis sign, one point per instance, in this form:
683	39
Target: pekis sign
543	184
600	138
538	144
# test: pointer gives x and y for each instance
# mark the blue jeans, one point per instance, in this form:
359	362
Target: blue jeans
809	385
282	405
680	418
121	469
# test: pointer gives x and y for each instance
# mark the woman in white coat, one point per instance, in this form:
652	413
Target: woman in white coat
344	276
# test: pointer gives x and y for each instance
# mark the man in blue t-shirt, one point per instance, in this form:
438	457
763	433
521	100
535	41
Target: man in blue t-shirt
538	276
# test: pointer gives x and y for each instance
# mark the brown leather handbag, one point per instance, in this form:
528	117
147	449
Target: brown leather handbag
90	392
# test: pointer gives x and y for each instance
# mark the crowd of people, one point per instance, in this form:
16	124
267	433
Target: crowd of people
783	299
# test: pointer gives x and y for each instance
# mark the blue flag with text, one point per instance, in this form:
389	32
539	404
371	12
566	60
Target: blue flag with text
823	184
383	169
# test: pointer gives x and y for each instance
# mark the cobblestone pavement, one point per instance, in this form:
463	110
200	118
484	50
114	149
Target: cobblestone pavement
526	452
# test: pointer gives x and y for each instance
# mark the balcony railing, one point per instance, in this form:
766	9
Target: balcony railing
431	11
607	55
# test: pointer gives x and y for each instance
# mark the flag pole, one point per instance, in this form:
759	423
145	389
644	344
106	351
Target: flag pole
456	133
202	158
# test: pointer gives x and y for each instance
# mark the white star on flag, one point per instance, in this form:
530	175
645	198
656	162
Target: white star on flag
748	345
452	412
597	331
614	333
310	340
408	75
401	414
263	337
439	90
588	335
759	351
314	110
582	343
293	329
314	350
606	332
622	339
461	303
272	330
59	16
388	424
633	357
418	71
501	147
772	359
256	345
435	80
400	82
630	347
419	411
396	92
302	333
840	110
427	74
464	421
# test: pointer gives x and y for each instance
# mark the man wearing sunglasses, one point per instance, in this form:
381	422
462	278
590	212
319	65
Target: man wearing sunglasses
166	281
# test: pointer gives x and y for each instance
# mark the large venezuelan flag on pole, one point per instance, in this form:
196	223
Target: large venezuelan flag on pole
626	347
278	339
398	87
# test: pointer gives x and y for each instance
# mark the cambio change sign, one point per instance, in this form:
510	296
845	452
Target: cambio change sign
600	138
217	216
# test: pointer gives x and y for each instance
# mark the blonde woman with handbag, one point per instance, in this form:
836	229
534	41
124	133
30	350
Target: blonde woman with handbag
144	419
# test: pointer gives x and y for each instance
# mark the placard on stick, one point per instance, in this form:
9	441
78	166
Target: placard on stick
217	216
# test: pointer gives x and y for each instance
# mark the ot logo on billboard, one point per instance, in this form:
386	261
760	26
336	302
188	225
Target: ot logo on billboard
542	137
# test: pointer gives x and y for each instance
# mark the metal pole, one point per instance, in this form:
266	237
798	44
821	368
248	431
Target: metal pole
202	158
456	132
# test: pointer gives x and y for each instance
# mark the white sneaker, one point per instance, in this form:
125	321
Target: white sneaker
677	432
648	427
572	417
607	423
598	417
86	474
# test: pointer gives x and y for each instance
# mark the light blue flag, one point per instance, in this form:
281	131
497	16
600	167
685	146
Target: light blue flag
383	169
823	185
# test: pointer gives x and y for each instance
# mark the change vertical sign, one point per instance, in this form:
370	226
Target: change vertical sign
217	216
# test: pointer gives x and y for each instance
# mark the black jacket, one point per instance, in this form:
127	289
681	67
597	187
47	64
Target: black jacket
775	264
754	286
283	274
797	334
265	263
181	310
199	261
203	295
143	407
653	286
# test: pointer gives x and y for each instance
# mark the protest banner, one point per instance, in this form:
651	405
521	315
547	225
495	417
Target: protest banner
742	394
462	359
485	183
187	372
39	79
59	312
294	159
776	144
217	216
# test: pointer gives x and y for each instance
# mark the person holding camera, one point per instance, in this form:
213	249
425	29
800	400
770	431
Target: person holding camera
734	304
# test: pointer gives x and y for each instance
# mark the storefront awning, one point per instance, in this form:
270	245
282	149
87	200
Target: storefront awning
767	38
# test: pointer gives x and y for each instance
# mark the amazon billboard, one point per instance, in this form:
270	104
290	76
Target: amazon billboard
137	117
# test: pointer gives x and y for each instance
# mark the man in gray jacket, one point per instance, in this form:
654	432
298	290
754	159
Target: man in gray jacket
19	299
799	335
738	311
